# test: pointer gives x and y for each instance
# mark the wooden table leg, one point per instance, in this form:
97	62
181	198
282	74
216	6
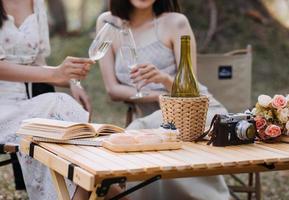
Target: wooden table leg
93	195
60	185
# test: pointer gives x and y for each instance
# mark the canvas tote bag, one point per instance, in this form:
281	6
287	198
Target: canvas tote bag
228	77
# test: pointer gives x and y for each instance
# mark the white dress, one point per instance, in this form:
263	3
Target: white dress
23	45
201	188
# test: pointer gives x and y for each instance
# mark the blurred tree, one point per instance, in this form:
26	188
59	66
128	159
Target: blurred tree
210	17
74	16
82	12
58	15
278	9
208	25
89	11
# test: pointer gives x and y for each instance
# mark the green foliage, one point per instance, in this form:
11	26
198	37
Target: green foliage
236	29
105	111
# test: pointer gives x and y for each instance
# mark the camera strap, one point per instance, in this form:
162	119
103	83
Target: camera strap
210	130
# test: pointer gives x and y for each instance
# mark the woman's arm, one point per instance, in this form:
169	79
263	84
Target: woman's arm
116	90
178	25
71	68
181	26
77	91
41	61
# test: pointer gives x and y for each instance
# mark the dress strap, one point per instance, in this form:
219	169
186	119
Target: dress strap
44	43
156	28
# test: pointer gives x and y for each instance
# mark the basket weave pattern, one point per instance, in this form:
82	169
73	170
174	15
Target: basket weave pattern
188	114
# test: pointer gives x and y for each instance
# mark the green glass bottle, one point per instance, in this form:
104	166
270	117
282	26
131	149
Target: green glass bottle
185	83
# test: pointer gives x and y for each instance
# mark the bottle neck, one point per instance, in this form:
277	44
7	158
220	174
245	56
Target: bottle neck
185	51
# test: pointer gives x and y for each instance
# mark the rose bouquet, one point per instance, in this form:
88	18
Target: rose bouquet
272	116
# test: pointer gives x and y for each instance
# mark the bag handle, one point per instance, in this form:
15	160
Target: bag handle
239	51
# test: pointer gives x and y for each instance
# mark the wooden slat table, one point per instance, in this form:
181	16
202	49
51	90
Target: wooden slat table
90	167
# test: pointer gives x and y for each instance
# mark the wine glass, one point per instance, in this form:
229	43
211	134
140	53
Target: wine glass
101	43
129	56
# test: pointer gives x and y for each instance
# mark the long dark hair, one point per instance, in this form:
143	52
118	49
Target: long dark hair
3	15
123	8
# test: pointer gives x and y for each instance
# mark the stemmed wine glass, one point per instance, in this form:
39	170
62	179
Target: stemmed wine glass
101	43
129	55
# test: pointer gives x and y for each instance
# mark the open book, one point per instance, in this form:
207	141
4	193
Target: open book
63	130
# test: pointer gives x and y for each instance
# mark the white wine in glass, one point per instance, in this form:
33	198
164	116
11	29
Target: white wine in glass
102	41
96	53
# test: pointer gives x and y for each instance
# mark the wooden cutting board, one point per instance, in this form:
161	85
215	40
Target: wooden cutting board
141	147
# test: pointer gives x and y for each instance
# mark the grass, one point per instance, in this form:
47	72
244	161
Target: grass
7	191
270	75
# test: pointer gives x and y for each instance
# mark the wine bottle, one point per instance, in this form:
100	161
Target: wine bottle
185	83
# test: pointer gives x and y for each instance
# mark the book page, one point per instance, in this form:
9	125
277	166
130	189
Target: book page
51	122
104	129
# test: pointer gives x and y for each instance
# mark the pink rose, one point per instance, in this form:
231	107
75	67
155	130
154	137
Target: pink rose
279	101
260	122
273	130
262	134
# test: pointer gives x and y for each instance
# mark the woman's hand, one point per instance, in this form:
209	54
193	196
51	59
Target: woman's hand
144	74
72	68
80	95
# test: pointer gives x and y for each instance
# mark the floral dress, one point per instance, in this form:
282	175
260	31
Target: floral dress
25	45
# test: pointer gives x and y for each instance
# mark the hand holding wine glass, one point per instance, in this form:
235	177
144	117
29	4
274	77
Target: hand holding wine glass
100	44
72	68
149	73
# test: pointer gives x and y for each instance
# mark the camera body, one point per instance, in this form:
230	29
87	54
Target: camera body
234	129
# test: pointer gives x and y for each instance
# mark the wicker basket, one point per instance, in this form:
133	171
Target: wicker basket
188	114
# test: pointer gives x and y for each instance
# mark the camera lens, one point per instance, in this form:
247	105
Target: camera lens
245	130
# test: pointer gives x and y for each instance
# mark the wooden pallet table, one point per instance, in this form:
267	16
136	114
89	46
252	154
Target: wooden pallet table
96	168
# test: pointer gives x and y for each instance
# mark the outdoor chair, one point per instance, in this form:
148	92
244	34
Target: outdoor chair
228	78
11	150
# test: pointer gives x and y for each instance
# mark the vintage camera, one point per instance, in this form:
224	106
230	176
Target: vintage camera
233	129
